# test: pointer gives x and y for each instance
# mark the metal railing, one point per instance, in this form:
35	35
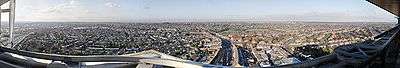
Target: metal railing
377	50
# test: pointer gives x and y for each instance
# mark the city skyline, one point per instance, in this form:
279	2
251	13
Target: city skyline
225	44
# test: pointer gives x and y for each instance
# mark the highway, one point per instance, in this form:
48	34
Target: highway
244	56
224	56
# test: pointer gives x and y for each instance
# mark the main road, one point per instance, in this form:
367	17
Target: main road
224	56
244	56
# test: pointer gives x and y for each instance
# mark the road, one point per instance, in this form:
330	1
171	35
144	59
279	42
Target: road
244	56
224	56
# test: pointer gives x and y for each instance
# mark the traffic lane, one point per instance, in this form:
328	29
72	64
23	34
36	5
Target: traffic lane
224	56
243	57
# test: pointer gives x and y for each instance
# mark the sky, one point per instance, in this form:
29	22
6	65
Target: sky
198	11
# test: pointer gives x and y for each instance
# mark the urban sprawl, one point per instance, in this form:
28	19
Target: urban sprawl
228	44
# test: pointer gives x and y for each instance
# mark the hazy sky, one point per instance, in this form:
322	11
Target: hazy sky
199	10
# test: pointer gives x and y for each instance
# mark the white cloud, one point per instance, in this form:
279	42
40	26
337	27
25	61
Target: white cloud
112	4
72	10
